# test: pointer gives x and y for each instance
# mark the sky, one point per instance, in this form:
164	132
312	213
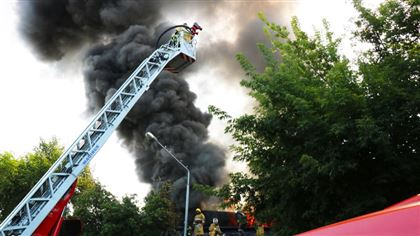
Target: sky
45	100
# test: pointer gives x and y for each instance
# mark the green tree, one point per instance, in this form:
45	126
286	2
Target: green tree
102	214
8	169
19	175
159	214
123	218
326	142
98	209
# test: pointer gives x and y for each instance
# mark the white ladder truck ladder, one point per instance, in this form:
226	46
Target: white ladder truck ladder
37	204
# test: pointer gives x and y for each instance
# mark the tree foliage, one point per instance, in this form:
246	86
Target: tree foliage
159	213
100	211
102	214
19	175
328	142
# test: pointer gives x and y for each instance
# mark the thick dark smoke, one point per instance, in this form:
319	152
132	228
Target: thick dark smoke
167	110
55	27
247	45
249	32
121	33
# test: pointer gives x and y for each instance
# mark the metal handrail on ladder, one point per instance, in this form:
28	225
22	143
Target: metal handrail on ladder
42	198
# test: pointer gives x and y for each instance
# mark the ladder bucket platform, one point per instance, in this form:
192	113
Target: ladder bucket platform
179	63
187	47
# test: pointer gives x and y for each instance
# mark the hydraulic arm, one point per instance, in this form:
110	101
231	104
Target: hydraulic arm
50	189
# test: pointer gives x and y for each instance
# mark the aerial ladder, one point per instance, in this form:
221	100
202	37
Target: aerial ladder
40	213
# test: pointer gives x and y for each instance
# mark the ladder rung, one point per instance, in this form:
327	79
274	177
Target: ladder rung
10	228
98	130
167	47
138	77
60	174
79	151
39	199
128	94
153	63
113	111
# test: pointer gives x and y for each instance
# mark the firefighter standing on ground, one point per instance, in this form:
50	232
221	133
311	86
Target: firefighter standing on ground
259	229
199	222
214	229
241	221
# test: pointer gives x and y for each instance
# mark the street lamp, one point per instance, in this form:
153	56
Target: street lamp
187	194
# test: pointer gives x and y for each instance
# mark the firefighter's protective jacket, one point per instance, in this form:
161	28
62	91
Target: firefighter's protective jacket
260	230
214	230
199	220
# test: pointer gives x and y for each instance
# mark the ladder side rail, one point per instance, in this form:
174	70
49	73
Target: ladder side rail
68	178
68	150
56	164
117	96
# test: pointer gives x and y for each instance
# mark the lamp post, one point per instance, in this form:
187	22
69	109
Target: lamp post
187	194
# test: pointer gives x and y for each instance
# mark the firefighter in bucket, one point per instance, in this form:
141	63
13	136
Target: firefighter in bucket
186	32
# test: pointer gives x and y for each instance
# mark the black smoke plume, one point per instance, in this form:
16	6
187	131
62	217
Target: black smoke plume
55	27
167	110
120	34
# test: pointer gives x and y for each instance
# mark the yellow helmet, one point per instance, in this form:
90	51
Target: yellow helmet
198	210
